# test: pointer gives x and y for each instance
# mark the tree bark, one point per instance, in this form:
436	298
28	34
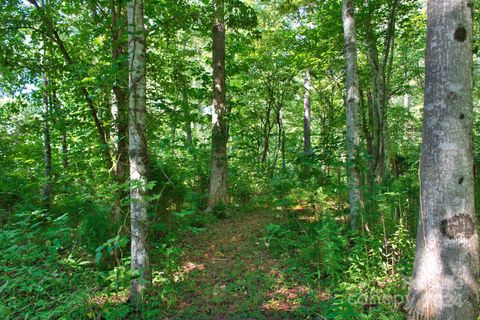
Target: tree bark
138	149
218	175
307	148
444	282
352	101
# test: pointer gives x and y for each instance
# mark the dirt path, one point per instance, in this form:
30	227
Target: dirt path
228	273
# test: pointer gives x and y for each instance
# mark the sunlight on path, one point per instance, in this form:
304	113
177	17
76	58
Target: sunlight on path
229	274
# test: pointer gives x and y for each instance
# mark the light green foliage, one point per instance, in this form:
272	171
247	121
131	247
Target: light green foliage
281	248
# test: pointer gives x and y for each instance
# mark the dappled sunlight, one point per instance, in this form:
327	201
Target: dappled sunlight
102	299
285	299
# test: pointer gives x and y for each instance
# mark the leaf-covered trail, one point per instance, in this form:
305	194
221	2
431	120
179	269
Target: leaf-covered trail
228	273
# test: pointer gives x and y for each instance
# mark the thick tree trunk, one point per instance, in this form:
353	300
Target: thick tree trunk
444	283
47	147
307	147
138	149
119	105
218	175
352	101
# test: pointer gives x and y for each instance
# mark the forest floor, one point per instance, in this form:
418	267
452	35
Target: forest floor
228	273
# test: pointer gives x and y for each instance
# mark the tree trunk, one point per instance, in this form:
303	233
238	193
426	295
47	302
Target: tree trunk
444	282
266	136
188	122
83	90
278	144
284	165
47	147
307	148
56	104
218	175
138	149
378	68
64	148
352	101
119	105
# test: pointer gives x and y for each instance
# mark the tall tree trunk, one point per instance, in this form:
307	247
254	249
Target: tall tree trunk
379	68
119	105
138	149
307	148
47	147
218	175
444	282
352	101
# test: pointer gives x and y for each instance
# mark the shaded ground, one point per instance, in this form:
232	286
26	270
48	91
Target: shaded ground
228	273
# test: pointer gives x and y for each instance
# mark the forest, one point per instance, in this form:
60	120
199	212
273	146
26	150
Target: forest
239	159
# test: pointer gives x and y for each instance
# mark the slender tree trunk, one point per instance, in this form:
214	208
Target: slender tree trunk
47	147
119	105
138	149
444	282
64	148
188	132
352	112
83	90
379	74
284	166
266	135
218	175
307	148
56	104
188	122
278	144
